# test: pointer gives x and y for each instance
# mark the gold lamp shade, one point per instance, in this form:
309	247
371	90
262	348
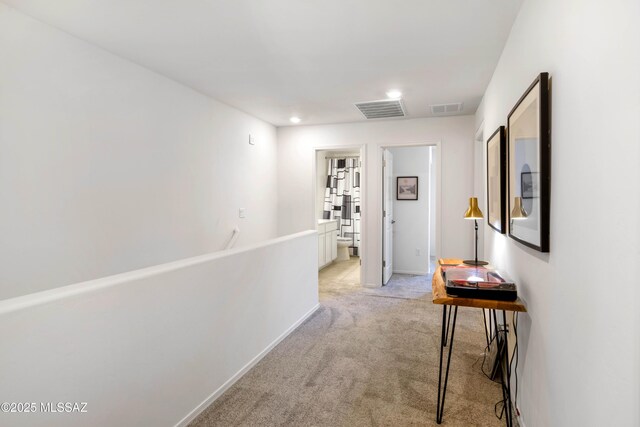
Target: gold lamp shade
475	214
474	211
518	211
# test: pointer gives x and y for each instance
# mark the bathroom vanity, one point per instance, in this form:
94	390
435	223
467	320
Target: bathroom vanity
327	242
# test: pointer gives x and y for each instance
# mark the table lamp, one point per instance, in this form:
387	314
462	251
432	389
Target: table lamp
475	214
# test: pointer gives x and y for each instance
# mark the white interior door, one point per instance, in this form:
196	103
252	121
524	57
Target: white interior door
387	215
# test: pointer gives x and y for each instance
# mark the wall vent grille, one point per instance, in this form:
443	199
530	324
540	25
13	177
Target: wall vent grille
447	108
382	109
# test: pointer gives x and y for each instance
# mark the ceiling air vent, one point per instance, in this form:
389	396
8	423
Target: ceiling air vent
383	109
446	108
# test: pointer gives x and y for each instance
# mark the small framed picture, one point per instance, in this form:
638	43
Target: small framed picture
407	188
529	182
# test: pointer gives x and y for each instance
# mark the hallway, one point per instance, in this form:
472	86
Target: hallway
366	357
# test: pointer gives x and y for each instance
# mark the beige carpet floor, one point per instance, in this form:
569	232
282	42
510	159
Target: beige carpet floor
367	357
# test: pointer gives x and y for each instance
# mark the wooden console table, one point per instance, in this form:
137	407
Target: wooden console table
440	296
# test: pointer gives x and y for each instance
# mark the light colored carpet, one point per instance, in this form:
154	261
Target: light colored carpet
367	357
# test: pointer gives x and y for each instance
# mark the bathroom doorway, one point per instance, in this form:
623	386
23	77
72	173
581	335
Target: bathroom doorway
339	188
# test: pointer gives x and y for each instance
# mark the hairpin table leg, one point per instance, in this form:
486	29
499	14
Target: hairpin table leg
486	332
443	340
446	334
508	412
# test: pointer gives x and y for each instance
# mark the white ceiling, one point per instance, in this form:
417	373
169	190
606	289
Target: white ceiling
310	58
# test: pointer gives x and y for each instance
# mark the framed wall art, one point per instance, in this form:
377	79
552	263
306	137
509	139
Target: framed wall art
529	154
529	185
497	180
407	188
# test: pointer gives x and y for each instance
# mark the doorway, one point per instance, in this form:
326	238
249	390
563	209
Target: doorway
479	178
339	196
409	208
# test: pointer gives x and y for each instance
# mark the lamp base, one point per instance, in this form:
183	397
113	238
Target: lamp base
474	262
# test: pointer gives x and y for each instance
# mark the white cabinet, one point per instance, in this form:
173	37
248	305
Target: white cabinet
327	248
327	242
322	256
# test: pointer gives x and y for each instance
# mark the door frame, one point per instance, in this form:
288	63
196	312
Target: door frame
362	149
479	182
437	163
385	214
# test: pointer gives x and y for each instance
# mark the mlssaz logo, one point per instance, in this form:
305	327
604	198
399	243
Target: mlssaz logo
63	407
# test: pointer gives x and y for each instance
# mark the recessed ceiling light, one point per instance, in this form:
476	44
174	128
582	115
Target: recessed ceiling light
295	119
394	94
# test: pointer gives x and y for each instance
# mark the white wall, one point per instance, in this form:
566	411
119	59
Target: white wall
107	167
411	229
432	203
296	189
154	347
321	180
580	340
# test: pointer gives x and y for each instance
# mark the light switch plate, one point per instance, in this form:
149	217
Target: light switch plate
242	213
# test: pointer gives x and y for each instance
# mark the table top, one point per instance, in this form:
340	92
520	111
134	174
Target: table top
440	296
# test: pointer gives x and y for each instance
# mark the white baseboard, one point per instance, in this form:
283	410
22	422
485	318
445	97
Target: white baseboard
370	285
415	273
216	394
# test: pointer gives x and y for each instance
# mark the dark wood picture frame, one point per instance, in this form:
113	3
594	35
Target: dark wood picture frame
407	192
529	152
497	171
